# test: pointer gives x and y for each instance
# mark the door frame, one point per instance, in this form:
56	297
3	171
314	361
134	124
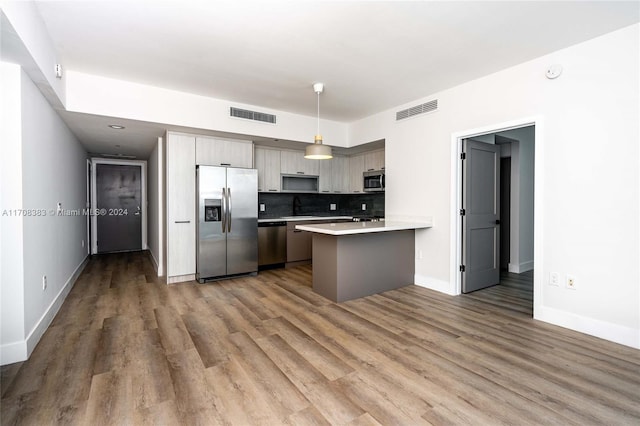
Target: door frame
143	207
455	256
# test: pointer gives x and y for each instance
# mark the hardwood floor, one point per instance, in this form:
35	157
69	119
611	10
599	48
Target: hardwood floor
126	349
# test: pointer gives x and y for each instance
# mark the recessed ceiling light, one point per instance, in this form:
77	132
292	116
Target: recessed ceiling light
116	126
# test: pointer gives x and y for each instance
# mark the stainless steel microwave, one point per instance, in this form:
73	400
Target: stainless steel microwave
373	181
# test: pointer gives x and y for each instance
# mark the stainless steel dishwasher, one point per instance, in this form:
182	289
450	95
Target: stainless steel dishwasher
272	244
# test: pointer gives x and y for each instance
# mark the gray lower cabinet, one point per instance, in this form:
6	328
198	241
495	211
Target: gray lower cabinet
298	243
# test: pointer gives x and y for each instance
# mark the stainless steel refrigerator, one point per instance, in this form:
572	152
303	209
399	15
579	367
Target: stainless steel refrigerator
227	226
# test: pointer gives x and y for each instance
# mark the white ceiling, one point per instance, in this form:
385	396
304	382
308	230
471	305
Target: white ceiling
372	56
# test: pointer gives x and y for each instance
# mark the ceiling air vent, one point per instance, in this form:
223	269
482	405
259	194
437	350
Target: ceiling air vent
252	115
418	109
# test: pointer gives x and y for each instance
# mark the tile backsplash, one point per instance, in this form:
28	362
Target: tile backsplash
306	204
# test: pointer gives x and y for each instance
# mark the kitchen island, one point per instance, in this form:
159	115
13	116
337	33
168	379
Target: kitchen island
358	259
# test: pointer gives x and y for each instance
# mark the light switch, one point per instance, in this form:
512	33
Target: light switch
332	206
364	206
262	207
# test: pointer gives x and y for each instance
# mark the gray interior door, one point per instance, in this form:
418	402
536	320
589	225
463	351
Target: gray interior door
481	218
119	200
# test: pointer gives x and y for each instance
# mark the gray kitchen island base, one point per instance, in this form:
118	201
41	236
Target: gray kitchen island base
347	267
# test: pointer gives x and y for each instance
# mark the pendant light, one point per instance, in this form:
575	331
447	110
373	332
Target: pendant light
318	151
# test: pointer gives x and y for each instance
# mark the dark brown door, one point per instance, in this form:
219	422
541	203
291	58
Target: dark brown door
119	202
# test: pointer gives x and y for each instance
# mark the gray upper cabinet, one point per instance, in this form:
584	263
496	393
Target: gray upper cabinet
341	174
221	152
294	163
267	161
356	167
326	175
340	178
374	160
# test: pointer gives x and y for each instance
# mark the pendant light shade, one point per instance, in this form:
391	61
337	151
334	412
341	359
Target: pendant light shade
318	151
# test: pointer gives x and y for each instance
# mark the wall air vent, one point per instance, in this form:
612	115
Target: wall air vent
418	109
252	115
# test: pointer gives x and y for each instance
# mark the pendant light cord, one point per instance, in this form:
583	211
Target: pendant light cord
318	130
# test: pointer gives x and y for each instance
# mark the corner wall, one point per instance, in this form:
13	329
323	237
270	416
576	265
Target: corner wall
53	170
154	207
589	161
11	241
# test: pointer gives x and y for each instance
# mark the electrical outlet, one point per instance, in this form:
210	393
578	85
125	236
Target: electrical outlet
364	206
44	282
332	206
554	279
571	282
263	207
419	254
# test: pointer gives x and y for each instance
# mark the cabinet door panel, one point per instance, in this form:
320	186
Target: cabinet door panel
326	175
268	165
340	171
356	168
374	160
181	187
291	162
220	152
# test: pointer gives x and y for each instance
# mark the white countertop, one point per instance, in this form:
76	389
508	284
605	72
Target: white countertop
349	228
300	218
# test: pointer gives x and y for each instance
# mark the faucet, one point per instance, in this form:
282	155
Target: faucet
297	204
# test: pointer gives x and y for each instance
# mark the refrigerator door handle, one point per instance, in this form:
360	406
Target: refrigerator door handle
229	209
224	210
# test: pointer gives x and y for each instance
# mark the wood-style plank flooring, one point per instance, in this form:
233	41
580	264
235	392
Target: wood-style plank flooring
126	349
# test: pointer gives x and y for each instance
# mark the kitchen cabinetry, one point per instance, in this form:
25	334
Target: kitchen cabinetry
340	178
374	160
356	167
326	179
221	152
293	162
267	161
181	204
298	243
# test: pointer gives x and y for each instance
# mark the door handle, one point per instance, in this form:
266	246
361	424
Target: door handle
224	210
229	208
497	221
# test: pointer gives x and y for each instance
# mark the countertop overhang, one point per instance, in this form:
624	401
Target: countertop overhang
350	228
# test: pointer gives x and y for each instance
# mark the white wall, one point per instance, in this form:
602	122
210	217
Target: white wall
11	242
52	164
98	95
40	56
154	207
588	166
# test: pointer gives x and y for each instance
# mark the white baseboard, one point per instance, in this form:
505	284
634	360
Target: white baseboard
13	352
518	268
605	330
434	284
21	350
154	261
181	278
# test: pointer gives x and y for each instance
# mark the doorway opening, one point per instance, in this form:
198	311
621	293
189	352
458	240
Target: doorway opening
494	238
118	206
